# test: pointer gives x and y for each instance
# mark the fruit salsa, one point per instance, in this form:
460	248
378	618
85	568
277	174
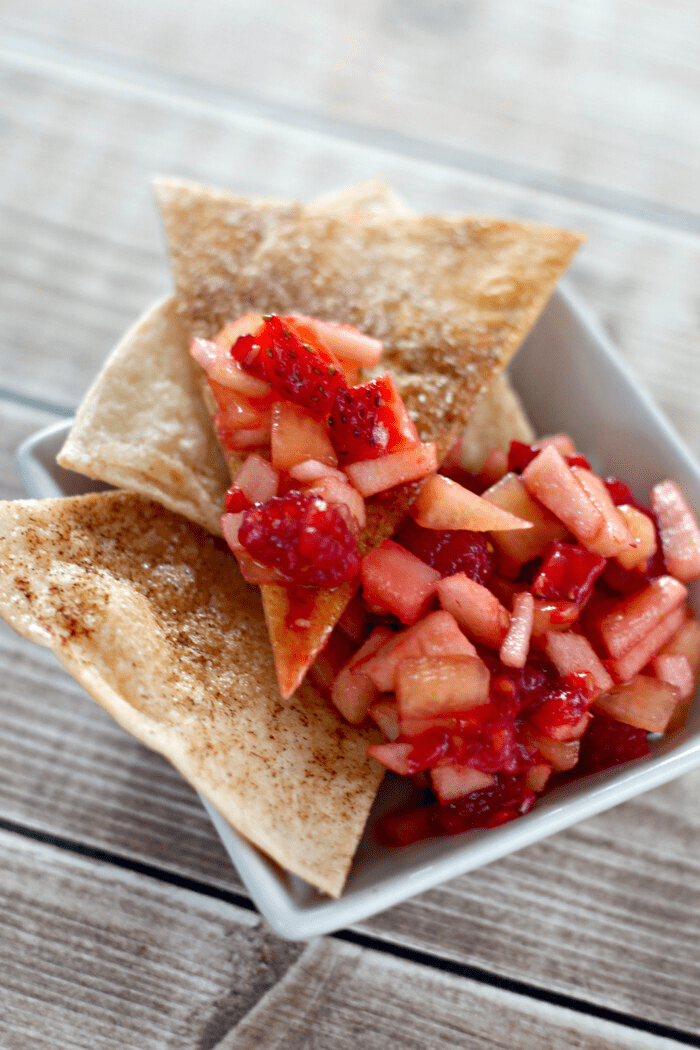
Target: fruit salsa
524	624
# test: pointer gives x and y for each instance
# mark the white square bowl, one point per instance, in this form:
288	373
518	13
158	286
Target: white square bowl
570	380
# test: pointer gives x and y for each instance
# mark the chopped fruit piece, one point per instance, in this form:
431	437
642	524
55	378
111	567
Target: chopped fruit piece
615	536
297	436
353	622
608	742
341	493
449	551
310	470
302	536
437	634
537	777
516	644
370	420
411	463
642	528
226	371
327	665
398	582
523	545
409	757
494	467
552	616
562	714
475	609
455	781
645	702
242	440
686	641
430	686
520	454
631	619
443	504
679	529
309	377
561	754
568	573
236	411
344	341
548	478
385	713
675	669
572	653
257	480
626	667
352	692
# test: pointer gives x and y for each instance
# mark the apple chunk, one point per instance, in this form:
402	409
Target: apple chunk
429	686
443	504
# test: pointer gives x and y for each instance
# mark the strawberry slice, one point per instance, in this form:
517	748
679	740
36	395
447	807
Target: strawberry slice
308	376
370	420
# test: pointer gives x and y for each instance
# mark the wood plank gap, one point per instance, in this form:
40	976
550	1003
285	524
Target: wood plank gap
76	63
508	984
205	889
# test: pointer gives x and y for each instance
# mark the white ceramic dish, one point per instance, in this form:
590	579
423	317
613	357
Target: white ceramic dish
571	380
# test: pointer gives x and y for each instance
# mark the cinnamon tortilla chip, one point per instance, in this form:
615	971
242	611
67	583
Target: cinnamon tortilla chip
150	615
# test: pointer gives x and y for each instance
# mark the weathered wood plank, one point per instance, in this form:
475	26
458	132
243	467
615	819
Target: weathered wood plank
98	958
600	96
338	997
87	255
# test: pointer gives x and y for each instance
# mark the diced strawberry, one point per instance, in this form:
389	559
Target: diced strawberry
352	692
443	504
645	702
626	624
370	476
625	667
475	609
507	798
454	781
398	582
303	537
520	454
516	644
431	686
437	634
309	377
449	550
572	653
608	742
523	545
680	531
370	420
568	573
561	713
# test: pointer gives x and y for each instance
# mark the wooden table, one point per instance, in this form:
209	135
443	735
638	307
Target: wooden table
122	921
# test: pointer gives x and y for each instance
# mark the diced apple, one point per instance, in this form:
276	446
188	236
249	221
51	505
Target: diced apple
642	528
236	411
645	702
615	536
523	544
631	663
370	476
572	653
385	713
552	616
537	776
550	480
675	669
494	467
443	504
310	470
686	641
516	644
394	755
455	781
679	529
437	634
297	436
631	619
341	493
343	340
352	692
257	479
398	581
561	754
475	609
430	686
327	665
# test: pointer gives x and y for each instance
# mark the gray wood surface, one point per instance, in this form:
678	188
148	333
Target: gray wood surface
584	115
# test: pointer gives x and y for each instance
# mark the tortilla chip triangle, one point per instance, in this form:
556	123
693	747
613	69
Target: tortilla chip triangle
150	615
451	298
